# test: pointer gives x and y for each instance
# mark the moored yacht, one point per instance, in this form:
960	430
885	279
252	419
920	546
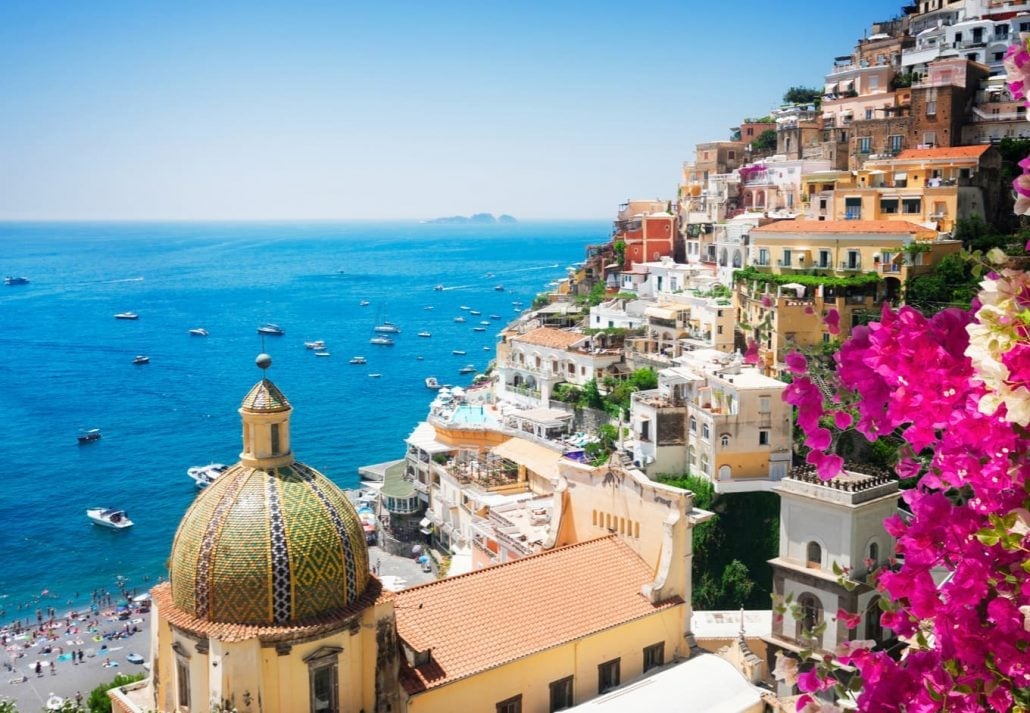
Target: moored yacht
13	280
204	475
198	332
381	341
109	517
271	329
126	315
141	359
358	360
432	383
425	333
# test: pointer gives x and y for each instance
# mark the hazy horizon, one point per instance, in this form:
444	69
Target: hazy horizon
400	111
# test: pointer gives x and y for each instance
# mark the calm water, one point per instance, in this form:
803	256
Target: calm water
65	364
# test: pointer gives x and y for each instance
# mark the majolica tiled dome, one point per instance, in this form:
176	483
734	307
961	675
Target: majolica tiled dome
271	541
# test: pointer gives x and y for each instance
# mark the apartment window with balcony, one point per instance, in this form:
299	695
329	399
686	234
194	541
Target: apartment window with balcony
853	261
895	143
786	258
865	144
940	209
911	206
958	37
852	209
1001	32
931	101
888	205
824	258
763	256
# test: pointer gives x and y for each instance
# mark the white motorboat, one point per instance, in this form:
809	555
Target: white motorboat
467	369
381	341
438	288
475	312
432	383
126	315
271	329
424	333
141	359
358	360
317	344
204	475
479	329
89	436
199	332
109	517
499	288
363	303
459	319
458	352
387	328
374	375
323	353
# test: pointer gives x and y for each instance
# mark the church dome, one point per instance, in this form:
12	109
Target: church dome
271	542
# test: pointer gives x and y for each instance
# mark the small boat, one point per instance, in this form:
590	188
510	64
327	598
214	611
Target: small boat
499	288
486	349
427	308
459	319
108	517
438	288
322	353
463	308
479	329
89	436
485	323
204	475
495	316
458	352
432	383
517	303
381	341
126	315
271	329
358	360
419	358
475	312
317	344
424	333
199	332
374	375
141	359
387	328
467	369
12	280
363	303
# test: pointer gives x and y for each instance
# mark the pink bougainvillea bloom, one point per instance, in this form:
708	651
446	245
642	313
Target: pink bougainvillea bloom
796	362
751	355
832	322
1017	360
842	419
851	621
767	301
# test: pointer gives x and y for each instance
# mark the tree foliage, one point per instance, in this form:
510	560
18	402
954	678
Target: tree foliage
98	702
803	95
765	142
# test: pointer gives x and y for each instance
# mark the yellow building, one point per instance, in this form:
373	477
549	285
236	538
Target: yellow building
782	300
932	187
271	606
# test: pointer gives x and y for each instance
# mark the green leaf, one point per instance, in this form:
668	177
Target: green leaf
988	538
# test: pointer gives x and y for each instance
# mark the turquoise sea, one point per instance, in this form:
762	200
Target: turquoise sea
66	365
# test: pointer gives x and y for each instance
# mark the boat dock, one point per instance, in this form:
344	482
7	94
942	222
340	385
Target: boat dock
377	471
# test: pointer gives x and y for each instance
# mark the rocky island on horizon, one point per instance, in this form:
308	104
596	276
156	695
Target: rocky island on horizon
480	218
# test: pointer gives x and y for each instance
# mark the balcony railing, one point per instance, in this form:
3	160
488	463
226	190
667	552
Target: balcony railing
851	266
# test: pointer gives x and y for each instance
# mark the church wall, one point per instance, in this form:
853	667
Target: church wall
531	676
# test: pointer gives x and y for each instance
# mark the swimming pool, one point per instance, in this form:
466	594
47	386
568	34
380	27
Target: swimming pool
469	415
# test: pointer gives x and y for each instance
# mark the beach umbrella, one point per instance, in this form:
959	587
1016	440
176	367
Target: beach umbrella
416	550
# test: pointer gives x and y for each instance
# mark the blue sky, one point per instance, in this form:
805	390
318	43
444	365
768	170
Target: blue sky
405	110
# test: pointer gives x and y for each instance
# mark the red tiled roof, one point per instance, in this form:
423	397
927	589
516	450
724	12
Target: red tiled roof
548	337
317	626
477	621
841	226
944	152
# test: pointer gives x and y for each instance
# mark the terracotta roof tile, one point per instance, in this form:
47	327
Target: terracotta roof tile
548	337
314	627
841	226
944	152
473	622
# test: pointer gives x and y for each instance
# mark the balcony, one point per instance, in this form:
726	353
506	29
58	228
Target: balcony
851	266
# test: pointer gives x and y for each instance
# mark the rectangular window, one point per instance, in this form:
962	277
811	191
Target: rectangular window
865	144
730	155
763	256
852	209
868	114
764	404
654	656
895	142
182	680
930	138
786	258
763	438
510	705
561	694
608	676
706	432
325	695
911	206
275	439
824	258
888	205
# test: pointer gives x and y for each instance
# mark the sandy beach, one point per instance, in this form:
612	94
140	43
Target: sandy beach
104	638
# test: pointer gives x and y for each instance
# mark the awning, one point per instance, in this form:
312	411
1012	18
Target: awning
535	457
424	438
660	312
900	175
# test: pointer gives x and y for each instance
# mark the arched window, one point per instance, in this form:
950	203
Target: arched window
693	424
814	555
724	440
811	613
874	554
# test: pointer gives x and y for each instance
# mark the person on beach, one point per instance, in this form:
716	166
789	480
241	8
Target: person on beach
53	669
39	669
